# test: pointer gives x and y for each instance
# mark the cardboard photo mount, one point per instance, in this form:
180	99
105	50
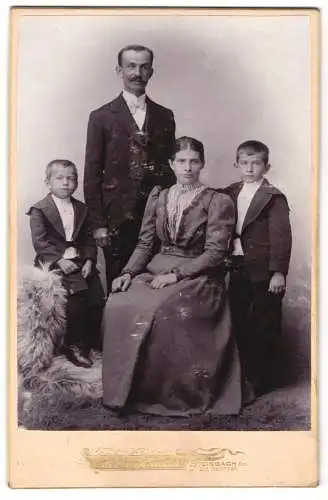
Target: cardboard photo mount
41	459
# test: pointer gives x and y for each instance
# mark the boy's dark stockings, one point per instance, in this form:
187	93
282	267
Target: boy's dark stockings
75	346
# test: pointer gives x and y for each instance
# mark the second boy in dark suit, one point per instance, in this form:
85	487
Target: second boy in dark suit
129	142
260	263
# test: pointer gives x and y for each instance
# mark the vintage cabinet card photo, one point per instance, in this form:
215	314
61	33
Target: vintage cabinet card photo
163	236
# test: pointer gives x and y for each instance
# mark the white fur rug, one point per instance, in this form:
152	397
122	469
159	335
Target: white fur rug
61	380
41	326
41	304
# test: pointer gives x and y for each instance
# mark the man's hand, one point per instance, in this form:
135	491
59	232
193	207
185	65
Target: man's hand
163	280
101	236
67	266
122	283
277	283
86	269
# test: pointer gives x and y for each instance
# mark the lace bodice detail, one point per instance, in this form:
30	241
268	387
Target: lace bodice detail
179	198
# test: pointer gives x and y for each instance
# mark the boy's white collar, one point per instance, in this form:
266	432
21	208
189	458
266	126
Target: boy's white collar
61	201
254	185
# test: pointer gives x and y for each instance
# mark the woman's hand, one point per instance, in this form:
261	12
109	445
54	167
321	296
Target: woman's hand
122	283
163	280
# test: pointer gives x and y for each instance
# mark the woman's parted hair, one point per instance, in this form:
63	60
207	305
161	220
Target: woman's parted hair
186	142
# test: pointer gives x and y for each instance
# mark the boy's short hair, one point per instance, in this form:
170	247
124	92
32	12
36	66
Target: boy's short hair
63	163
253	147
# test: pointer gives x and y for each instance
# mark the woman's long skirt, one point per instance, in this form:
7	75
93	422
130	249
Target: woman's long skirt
170	351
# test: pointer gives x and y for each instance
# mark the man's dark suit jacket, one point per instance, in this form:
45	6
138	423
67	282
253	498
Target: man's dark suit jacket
266	237
122	165
48	234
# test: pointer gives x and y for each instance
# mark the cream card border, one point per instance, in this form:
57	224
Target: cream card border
85	459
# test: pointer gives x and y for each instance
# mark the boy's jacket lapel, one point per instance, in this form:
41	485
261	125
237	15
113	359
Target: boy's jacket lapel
80	213
234	191
50	210
261	198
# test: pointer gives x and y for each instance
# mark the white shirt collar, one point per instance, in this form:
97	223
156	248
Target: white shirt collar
133	100
252	186
61	201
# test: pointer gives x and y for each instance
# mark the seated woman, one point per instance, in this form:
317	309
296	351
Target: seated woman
168	348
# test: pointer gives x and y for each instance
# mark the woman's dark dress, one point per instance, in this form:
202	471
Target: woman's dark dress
169	351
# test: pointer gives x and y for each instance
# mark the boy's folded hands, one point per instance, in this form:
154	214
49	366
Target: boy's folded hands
67	266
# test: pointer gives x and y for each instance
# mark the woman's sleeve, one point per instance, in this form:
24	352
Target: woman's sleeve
220	223
147	236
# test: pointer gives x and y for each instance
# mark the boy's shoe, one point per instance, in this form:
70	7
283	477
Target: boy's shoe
75	356
86	353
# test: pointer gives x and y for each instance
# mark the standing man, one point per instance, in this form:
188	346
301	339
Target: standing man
129	142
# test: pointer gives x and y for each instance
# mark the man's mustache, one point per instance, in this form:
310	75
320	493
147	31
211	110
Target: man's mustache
136	79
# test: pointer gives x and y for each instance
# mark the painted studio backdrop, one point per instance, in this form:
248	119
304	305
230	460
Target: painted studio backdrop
226	78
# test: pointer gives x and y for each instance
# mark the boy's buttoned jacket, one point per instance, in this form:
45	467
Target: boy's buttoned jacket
48	234
266	237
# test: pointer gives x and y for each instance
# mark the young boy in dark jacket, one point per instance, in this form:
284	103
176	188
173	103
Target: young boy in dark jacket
62	240
260	262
